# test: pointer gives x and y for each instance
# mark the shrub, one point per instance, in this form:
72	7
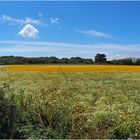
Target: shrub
3	113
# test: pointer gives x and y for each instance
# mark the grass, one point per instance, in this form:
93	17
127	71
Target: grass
74	101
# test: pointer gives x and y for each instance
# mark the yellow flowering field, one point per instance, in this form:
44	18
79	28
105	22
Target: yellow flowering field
74	68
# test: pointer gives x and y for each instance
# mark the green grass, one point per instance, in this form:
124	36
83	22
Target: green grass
74	105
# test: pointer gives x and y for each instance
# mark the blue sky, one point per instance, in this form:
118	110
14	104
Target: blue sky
66	29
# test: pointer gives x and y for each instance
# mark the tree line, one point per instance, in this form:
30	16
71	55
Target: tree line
7	60
98	59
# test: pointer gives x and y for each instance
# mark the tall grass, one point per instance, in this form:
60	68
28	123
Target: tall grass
75	104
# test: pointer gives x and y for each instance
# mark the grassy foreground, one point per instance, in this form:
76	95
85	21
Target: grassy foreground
64	104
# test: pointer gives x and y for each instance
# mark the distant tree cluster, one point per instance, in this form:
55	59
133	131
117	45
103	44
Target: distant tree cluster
9	60
99	59
127	61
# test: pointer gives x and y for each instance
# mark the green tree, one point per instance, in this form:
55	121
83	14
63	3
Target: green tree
100	58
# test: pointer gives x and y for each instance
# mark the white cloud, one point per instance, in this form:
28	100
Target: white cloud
69	49
31	21
118	55
95	33
29	31
26	20
54	20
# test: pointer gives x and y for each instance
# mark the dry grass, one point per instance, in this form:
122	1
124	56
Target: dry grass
74	68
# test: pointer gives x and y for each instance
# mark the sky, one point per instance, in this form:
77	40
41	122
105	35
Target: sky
70	29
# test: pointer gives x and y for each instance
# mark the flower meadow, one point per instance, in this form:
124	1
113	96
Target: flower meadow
72	101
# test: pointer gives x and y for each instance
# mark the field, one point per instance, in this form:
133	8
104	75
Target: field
74	68
55	101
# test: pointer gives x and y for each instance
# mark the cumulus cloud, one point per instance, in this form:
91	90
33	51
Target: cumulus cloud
29	31
54	20
95	33
26	20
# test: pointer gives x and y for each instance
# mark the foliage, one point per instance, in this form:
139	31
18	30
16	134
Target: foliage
8	60
3	111
100	58
125	61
